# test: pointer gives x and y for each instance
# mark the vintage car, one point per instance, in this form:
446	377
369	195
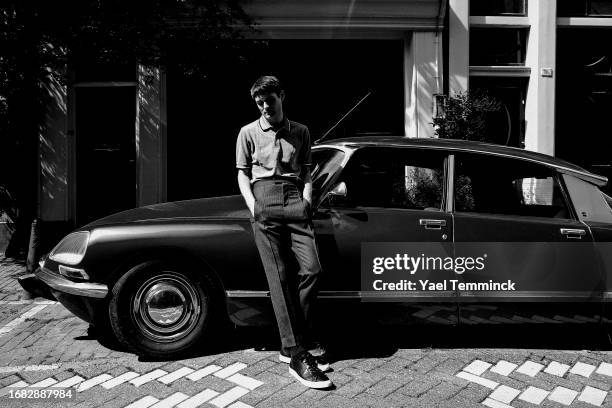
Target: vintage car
159	276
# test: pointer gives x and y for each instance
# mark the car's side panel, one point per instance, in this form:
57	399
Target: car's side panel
223	247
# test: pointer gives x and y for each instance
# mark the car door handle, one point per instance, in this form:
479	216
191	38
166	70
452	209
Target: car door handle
571	233
432	224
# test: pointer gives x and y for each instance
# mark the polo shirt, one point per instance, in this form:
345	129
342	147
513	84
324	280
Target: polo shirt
269	153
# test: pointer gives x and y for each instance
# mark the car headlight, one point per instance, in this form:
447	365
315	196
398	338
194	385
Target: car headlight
71	249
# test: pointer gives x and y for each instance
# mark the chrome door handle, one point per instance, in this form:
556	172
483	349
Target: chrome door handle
432	224
571	233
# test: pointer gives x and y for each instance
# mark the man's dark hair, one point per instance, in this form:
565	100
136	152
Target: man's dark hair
266	85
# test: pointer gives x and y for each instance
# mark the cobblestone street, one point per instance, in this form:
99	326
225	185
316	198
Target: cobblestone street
44	345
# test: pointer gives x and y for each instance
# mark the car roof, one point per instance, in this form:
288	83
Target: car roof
468	146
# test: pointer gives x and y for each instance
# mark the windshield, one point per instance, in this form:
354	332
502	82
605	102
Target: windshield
326	163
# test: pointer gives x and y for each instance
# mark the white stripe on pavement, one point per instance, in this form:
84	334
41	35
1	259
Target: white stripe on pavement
593	396
119	380
229	370
171	400
198	399
503	368
144	402
239	404
495	404
605	369
478	380
530	368
15	322
18	384
47	382
244	381
175	375
477	367
228	397
145	378
583	369
203	372
563	395
504	394
70	382
12	369
557	369
92	382
534	395
27	302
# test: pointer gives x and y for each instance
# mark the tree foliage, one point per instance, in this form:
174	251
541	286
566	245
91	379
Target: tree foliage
39	39
465	116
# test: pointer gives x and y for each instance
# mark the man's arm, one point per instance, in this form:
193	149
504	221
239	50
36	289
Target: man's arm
244	183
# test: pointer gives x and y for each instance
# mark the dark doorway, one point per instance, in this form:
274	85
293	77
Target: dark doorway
324	79
105	151
584	98
506	127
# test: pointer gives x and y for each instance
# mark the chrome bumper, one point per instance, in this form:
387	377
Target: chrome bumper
59	283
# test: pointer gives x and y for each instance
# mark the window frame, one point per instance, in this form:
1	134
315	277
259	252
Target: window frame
445	174
555	174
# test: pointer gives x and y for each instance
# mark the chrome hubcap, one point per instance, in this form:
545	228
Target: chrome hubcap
166	307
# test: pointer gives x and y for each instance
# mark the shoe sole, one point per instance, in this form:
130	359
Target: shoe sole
322	367
310	384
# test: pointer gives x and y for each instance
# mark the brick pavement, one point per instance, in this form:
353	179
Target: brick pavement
412	367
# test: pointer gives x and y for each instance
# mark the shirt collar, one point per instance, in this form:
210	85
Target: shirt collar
265	125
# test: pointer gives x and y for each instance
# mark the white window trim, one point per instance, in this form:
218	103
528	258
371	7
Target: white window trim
500	21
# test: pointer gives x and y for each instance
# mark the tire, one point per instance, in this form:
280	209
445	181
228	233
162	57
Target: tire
161	309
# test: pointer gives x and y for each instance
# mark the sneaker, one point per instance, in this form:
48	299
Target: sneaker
303	367
322	362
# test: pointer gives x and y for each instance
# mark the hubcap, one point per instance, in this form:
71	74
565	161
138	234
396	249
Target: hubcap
166	307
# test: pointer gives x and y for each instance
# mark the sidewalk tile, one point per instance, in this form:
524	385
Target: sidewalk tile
563	396
478	380
504	394
582	369
495	404
534	395
605	369
592	396
557	369
530	368
503	368
477	367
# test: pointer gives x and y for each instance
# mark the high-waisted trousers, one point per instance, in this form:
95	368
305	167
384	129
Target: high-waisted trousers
283	231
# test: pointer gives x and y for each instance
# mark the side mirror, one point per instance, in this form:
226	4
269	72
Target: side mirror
338	191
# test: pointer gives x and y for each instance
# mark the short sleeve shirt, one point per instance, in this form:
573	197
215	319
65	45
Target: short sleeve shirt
268	153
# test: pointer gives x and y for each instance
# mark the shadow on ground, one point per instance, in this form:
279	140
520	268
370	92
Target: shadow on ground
365	337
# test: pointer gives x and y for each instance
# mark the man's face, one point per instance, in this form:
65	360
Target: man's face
271	106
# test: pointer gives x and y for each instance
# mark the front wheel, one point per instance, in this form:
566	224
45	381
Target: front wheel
161	309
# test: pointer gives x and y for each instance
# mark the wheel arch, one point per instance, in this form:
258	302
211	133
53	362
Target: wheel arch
171	255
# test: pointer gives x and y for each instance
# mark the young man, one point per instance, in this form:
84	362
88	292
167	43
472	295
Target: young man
273	161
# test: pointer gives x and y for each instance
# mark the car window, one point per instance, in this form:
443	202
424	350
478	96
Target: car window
497	185
395	178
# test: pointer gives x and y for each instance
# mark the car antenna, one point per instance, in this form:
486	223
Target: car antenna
342	118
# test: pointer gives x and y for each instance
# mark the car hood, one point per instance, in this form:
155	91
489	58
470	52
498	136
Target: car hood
224	207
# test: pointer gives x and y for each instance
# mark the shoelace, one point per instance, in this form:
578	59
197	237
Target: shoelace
311	363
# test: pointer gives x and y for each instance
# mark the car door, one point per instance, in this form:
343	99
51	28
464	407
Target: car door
394	196
541	265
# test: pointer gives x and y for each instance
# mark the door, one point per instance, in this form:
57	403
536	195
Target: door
105	145
540	263
393	205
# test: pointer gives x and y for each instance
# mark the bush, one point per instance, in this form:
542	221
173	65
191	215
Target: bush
465	116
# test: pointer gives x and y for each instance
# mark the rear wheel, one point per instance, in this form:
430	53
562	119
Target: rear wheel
161	309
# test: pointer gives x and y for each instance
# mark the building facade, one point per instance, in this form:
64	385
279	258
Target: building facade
115	141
